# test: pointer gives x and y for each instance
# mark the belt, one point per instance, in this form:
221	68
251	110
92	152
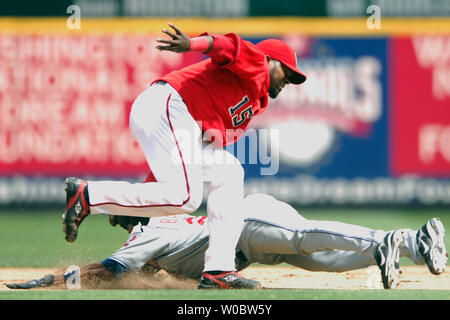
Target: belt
160	82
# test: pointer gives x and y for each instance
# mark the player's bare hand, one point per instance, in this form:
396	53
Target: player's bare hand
180	41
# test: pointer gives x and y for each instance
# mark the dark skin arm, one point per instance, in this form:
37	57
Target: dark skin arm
89	274
180	41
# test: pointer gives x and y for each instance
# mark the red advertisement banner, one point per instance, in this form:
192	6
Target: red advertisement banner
420	106
65	100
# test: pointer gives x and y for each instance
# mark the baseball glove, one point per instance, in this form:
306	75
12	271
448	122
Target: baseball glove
127	222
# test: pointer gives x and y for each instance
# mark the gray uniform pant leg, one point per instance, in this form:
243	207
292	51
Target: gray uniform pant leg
265	237
276	232
330	261
283	230
341	261
318	235
309	249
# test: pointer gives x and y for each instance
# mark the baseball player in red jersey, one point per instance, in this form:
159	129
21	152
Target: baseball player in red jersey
182	121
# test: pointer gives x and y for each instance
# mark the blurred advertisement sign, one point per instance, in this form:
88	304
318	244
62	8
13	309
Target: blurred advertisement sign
342	99
420	123
370	126
65	100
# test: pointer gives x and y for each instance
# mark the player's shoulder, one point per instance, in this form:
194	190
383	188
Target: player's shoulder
243	42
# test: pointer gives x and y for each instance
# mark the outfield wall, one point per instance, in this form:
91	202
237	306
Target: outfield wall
371	126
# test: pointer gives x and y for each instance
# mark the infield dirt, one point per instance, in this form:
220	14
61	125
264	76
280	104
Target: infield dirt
412	278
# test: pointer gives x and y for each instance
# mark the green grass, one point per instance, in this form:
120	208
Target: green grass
270	294
35	239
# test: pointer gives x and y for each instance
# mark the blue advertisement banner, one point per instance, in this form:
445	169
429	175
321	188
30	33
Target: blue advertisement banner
335	124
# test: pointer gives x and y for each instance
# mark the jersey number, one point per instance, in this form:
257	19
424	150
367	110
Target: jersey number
239	118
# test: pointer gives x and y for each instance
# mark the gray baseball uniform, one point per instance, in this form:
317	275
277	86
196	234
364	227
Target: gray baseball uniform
273	233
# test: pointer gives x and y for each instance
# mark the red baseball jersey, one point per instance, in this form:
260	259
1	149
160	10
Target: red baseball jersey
225	91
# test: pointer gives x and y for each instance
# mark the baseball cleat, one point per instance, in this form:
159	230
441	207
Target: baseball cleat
77	207
227	280
430	240
387	257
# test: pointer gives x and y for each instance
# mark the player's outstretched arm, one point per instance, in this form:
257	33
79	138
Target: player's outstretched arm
181	42
45	281
90	274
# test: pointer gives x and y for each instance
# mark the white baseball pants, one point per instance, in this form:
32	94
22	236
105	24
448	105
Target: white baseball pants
180	162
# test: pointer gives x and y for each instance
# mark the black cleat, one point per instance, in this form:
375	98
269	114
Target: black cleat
77	207
387	257
430	240
227	280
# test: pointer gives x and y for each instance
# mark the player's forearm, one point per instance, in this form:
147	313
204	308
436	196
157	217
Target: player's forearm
202	44
89	274
95	272
221	48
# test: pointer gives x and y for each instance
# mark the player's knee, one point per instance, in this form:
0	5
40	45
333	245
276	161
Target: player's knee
193	203
195	198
